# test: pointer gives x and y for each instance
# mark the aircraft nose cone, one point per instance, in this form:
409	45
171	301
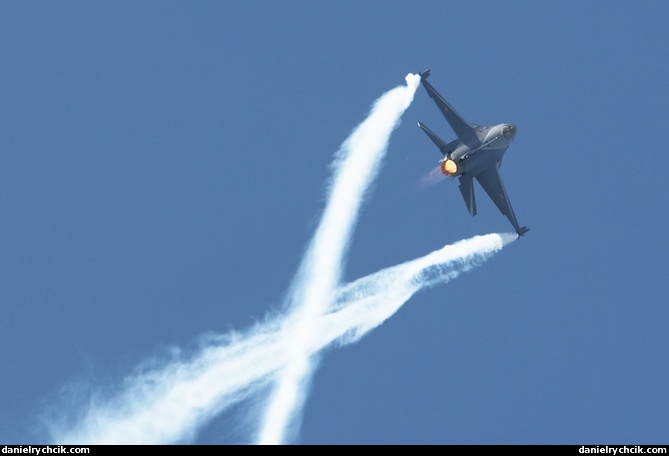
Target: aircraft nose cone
509	131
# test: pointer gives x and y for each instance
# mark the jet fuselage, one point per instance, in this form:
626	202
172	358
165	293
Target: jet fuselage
493	142
476	154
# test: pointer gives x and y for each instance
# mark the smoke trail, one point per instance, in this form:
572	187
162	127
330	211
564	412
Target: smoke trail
167	404
356	166
169	401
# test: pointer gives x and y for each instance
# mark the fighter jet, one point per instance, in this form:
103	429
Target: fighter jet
476	153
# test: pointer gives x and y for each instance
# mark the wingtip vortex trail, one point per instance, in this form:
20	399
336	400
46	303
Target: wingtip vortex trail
171	402
508	238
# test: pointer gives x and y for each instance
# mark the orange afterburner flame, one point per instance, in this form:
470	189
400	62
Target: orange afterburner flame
448	167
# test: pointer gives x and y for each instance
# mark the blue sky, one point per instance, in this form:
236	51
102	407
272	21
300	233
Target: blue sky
163	167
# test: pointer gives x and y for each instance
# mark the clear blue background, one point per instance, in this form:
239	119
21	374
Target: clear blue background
162	168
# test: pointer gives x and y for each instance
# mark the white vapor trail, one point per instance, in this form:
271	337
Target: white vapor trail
168	401
356	166
167	404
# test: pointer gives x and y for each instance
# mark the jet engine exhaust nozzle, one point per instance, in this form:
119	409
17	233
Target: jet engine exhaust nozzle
448	167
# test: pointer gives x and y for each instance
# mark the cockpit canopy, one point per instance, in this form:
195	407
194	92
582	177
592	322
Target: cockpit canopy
509	131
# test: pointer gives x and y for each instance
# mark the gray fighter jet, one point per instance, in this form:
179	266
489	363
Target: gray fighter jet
476	153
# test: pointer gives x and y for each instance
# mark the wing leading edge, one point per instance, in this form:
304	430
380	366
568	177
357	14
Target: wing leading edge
459	125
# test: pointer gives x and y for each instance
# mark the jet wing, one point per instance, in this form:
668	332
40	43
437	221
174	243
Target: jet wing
491	182
459	125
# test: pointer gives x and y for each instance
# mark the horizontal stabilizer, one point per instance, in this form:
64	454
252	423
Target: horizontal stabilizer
424	74
467	190
440	143
522	230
